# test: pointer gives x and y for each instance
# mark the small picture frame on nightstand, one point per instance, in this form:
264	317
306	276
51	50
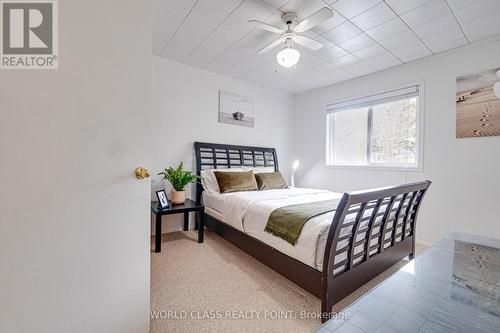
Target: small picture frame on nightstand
162	199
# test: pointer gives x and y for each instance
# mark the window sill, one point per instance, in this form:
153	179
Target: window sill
376	168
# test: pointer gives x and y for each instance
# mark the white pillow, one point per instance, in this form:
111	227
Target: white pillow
208	180
259	169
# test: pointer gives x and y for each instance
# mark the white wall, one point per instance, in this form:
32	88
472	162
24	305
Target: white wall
465	172
185	107
74	222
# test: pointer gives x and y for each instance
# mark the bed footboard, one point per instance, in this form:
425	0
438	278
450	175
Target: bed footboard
371	231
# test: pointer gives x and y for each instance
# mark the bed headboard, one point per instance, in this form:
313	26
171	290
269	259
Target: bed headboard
221	156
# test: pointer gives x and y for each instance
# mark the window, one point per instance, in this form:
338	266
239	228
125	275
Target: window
379	130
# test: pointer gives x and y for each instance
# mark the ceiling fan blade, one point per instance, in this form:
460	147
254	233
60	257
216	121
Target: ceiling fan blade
270	46
266	26
313	20
309	43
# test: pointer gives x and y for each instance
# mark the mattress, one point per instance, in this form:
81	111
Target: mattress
212	212
249	211
214	201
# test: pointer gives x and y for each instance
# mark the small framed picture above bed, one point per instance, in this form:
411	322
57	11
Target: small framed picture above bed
236	109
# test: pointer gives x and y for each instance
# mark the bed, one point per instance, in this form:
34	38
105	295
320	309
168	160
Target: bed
337	252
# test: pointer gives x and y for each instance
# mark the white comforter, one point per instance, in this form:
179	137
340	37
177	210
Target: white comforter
249	212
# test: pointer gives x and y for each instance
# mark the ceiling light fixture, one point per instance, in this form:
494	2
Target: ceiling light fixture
288	57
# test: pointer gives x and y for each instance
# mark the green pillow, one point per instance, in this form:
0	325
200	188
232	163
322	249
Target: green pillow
270	180
236	181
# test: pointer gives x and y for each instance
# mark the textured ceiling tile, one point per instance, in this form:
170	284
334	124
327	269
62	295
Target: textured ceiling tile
444	45
341	33
484	27
351	8
215	35
359	69
181	7
329	24
436	26
426	12
369	51
413	51
404	6
387	29
226	5
165	23
441	37
476	10
303	8
389	64
345	61
356	43
374	17
332	53
457	4
403	38
276	3
383	59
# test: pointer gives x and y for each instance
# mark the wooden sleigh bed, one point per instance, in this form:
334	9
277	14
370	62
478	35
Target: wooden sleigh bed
371	230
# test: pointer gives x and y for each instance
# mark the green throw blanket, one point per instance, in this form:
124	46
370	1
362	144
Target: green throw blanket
287	222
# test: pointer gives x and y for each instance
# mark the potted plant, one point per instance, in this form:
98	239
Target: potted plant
179	178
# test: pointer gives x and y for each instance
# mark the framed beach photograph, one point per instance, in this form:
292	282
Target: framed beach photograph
236	109
162	199
478	104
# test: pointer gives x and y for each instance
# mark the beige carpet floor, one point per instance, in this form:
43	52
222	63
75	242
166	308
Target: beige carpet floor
215	287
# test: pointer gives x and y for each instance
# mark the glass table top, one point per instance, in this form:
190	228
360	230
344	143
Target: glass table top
452	287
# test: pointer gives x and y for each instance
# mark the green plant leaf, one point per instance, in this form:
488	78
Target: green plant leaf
178	177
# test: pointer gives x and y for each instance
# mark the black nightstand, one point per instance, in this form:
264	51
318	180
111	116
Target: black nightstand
186	208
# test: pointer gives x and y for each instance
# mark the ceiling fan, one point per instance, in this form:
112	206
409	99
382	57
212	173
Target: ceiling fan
289	56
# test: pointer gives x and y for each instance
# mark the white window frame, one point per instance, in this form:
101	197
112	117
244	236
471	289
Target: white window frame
370	100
